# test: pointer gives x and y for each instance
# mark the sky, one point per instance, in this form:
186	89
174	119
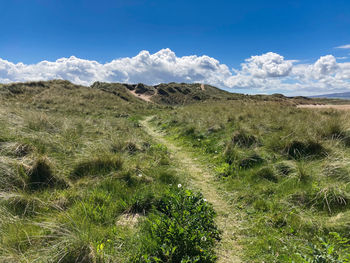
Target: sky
292	47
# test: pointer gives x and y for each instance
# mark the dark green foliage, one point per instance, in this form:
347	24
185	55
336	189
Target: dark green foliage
79	254
250	161
167	177
298	149
335	249
97	166
266	173
142	202
181	230
284	168
41	176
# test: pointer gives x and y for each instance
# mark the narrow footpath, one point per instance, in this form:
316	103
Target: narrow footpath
202	179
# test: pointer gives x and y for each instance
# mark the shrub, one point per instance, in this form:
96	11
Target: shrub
97	166
182	229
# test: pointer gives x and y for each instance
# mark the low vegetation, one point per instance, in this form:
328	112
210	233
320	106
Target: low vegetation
82	181
285	169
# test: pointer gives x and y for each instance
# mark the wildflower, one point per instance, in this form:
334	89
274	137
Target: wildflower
179	185
199	140
216	151
204	200
204	238
140	175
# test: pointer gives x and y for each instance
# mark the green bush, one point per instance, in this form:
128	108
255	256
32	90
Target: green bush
181	229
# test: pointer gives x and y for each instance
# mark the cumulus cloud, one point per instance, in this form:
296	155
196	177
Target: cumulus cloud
162	66
269	72
267	65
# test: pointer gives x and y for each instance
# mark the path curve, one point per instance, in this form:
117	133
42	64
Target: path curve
204	180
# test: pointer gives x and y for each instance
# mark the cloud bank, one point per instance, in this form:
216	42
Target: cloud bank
266	73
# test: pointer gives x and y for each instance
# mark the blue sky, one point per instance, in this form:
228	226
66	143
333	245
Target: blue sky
227	31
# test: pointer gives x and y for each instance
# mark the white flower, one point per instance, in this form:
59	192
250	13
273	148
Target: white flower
204	200
204	238
216	151
179	186
199	140
140	175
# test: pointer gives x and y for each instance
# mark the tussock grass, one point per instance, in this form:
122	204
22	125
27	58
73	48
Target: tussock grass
285	168
96	166
40	175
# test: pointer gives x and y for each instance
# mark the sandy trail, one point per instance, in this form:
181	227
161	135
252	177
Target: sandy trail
337	107
141	96
204	180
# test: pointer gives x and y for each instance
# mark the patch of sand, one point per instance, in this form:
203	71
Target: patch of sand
337	107
141	96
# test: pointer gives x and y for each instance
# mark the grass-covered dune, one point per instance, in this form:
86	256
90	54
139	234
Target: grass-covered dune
81	180
285	169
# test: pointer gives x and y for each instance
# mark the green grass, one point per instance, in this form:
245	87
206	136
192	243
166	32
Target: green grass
81	181
74	165
285	169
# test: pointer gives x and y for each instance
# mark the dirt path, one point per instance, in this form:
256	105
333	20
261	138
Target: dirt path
203	179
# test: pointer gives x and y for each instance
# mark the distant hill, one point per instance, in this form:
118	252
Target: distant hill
344	96
142	96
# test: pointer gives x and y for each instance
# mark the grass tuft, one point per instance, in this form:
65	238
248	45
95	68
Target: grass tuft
97	166
40	176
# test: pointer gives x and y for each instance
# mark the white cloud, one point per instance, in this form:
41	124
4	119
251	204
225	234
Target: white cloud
266	73
267	65
344	46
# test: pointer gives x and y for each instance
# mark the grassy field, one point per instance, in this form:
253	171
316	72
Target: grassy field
82	180
285	170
